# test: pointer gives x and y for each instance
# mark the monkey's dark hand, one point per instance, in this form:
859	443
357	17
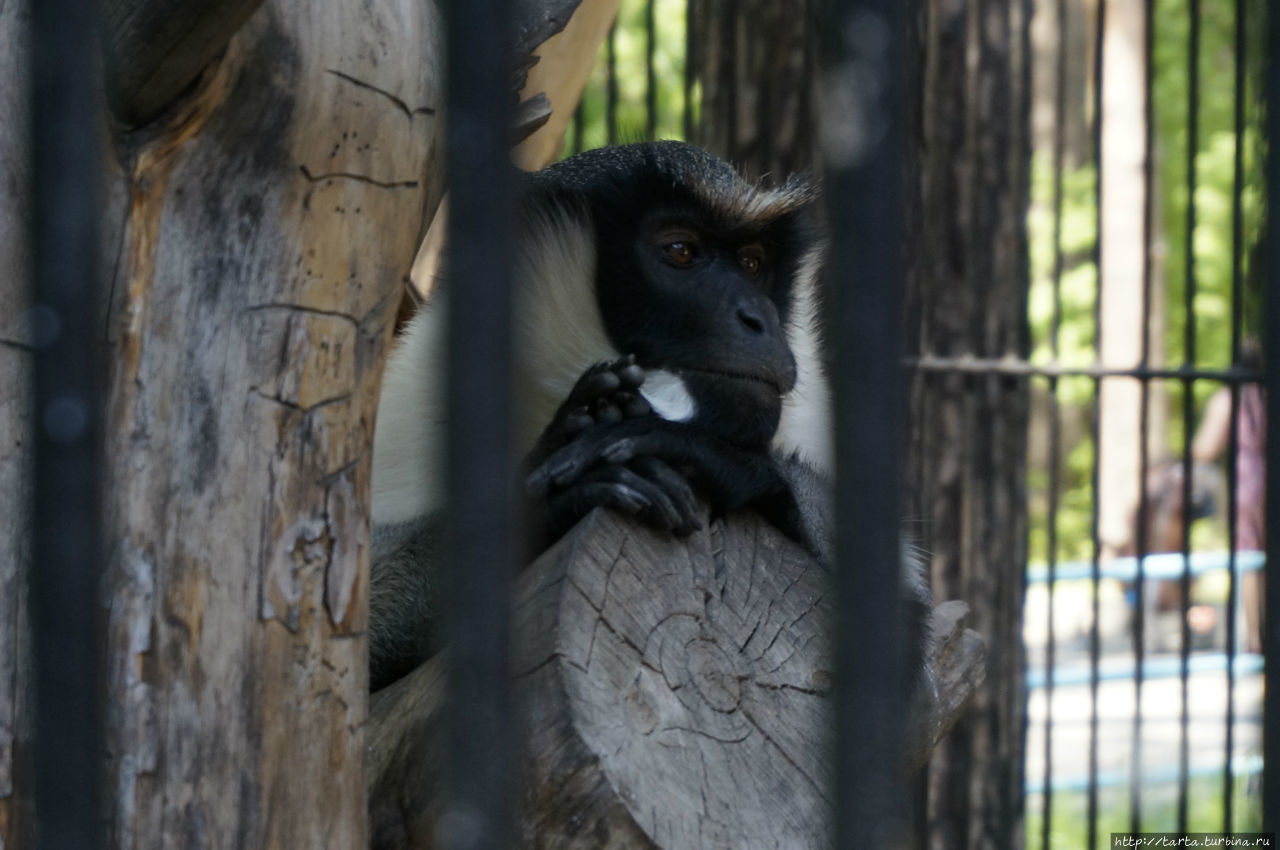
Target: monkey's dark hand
729	476
645	487
606	394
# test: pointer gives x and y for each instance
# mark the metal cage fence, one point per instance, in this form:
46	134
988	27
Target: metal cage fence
1252	32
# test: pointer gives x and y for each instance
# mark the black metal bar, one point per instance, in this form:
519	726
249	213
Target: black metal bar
1055	415
729	79
1233	447
690	62
482	528
1271	618
578	121
968	365
1095	640
1144	416
1233	594
68	633
862	48
1050	657
1188	406
611	84
650	78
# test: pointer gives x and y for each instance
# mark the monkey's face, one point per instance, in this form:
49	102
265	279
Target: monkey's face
694	273
707	305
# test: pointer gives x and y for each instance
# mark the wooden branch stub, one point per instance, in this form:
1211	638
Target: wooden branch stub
957	667
530	115
676	693
155	48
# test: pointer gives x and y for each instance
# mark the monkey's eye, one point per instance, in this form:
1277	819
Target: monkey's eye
751	258
680	253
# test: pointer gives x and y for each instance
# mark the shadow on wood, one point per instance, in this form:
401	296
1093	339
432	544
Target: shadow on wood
676	694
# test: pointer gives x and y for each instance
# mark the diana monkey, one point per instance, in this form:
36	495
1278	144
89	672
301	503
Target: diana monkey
667	351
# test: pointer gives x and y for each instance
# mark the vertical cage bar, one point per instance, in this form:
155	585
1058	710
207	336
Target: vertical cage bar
1095	429
1055	421
67	629
68	633
1144	417
611	83
1271	619
691	19
482	523
1233	447
578	121
650	78
1188	407
862	44
729	77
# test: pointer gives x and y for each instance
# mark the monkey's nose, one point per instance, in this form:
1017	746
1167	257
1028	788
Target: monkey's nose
753	323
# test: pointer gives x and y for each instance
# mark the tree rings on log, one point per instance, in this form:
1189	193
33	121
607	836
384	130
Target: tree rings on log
678	689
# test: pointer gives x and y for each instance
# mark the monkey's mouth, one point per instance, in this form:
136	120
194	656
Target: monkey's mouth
772	383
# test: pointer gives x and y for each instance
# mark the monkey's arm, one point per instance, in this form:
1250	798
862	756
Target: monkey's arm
665	454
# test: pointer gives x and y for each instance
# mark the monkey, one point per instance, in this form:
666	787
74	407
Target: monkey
668	352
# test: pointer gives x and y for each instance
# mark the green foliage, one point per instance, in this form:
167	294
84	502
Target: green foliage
1212	247
1205	811
1210	264
1076	292
630	39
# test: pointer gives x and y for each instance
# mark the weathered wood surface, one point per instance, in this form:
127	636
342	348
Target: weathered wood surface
15	366
257	233
270	222
155	48
756	61
555	83
966	294
676	694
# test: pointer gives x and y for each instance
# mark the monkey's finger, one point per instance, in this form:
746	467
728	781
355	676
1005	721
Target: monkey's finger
631	375
663	512
608	414
676	488
598	384
578	421
633	406
566	508
569	463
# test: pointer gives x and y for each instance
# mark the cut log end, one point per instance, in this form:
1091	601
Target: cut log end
677	693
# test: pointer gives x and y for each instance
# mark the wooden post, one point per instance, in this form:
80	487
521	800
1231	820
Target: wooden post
273	169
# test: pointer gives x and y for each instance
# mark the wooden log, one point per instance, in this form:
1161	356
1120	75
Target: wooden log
676	694
257	232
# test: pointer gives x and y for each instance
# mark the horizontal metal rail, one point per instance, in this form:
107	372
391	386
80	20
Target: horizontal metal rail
1011	366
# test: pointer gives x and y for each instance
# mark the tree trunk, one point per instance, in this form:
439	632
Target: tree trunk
270	222
966	295
676	693
258	230
755	61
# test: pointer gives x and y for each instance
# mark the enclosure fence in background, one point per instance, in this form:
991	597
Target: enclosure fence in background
1145	687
